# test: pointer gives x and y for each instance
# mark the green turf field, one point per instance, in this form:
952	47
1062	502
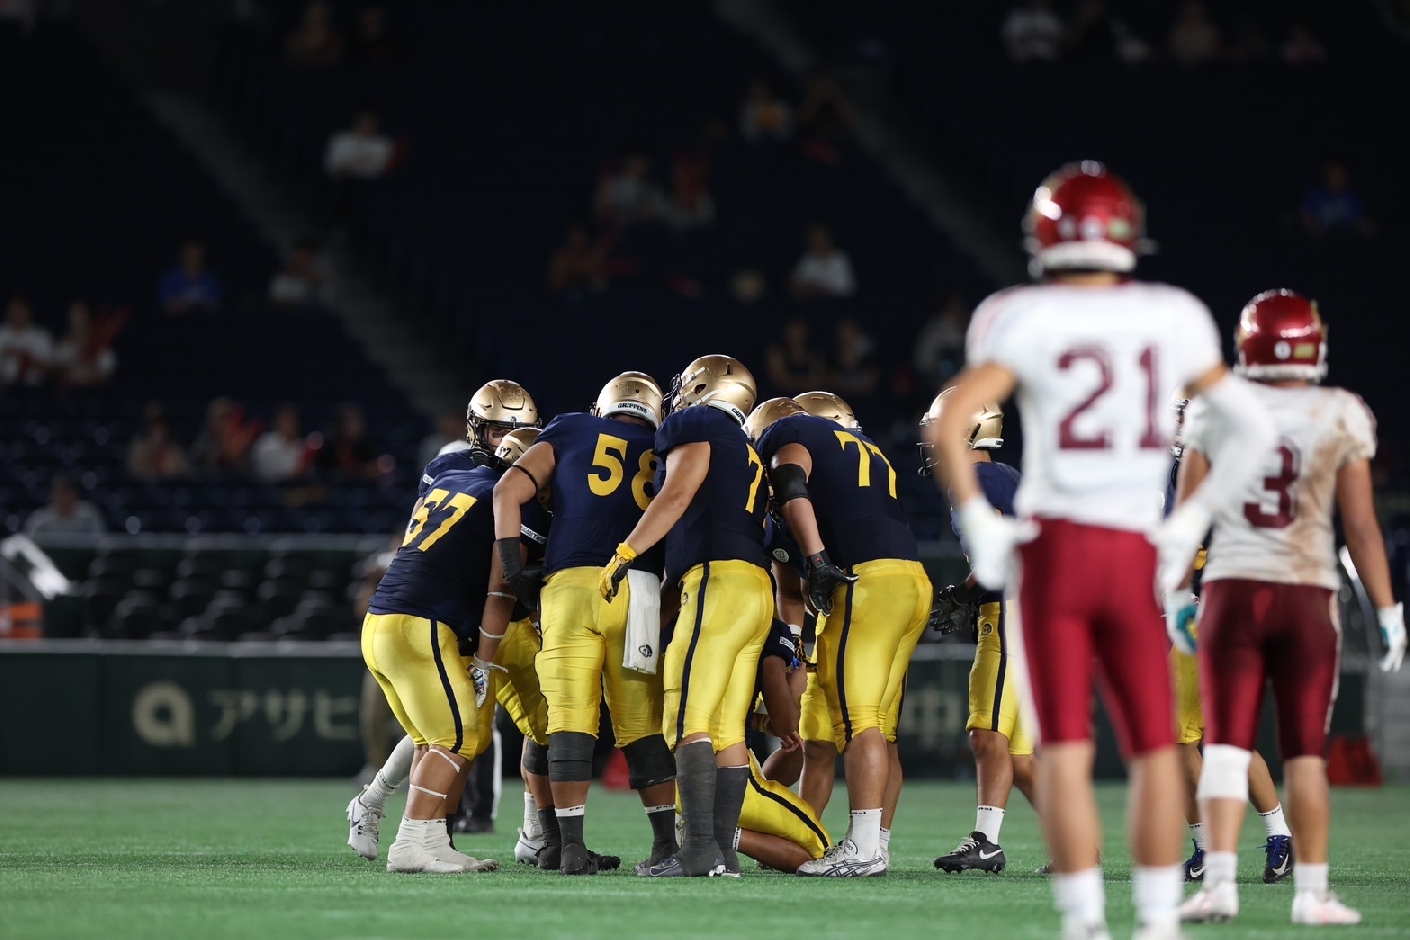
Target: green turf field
213	859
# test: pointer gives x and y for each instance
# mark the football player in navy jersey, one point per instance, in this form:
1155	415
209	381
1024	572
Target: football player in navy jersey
998	736
709	512
837	492
600	469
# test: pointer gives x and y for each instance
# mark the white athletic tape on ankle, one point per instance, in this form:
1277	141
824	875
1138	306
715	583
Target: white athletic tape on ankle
430	792
664	808
1225	774
571	810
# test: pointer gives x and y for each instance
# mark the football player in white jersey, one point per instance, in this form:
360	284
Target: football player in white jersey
1269	598
1093	357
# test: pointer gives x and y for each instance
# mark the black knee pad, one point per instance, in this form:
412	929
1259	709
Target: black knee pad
535	758
649	762
570	756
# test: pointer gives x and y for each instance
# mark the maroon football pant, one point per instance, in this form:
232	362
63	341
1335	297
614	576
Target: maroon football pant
1254	631
1088	609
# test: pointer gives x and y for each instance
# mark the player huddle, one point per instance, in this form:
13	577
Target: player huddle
701	564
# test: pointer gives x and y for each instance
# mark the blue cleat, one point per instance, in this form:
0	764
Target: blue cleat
1280	859
1194	866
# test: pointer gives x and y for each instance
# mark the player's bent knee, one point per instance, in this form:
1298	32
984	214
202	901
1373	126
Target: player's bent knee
1225	774
570	757
535	758
649	762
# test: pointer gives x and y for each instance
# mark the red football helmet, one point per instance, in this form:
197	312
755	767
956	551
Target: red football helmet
1085	218
1281	336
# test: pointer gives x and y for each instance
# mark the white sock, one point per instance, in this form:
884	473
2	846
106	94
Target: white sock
1081	896
392	775
1274	824
1220	867
989	820
1309	877
866	832
422	831
886	839
1158	893
1197	833
532	829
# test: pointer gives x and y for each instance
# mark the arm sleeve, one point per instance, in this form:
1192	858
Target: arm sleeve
1250	436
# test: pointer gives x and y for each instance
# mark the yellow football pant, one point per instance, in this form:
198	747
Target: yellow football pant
584	638
727	608
864	653
517	690
1189	704
417	663
814	720
773	809
993	700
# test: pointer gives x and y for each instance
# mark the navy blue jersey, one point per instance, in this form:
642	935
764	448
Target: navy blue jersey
852	488
999	483
604	478
534	517
444	463
725	519
1170	486
781	545
442	570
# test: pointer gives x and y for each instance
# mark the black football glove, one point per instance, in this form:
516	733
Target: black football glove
954	609
824	578
523	580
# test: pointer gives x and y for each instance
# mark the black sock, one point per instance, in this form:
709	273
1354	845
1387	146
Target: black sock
663	826
695	779
730	787
548	822
571	829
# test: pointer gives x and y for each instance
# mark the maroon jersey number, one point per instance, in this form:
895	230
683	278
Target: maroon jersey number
1070	439
1280	485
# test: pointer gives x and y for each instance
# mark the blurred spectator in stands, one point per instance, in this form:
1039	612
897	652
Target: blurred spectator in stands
824	270
84	356
303	279
188	287
360	152
794	364
348	451
852	372
1094	34
765	116
314	41
629	196
1301	47
224	443
690	204
1194	39
66	514
939	351
450	429
153	455
1252	45
824	117
579	264
1333	207
372	43
281	453
25	349
1032	32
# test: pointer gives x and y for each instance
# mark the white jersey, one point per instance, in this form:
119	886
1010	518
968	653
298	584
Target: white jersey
1097	368
1280	529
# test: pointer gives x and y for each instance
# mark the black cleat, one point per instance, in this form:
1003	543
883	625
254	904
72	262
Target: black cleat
605	862
689	863
975	852
659	853
577	860
1280	859
551	857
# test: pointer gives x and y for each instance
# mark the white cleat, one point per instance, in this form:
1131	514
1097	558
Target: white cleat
526	850
1323	909
885	860
1212	904
842	861
363	825
406	857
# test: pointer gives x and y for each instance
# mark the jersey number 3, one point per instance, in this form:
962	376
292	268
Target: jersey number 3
1069	438
1280	485
439	511
611	456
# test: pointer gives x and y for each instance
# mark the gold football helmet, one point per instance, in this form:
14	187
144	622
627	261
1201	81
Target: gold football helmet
498	403
985	432
719	380
764	415
513	445
830	406
632	393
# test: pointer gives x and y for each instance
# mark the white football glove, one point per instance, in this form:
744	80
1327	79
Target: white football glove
1392	620
1176	542
480	676
991	538
1181	615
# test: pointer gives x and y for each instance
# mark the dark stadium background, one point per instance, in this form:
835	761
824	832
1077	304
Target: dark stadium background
129	128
